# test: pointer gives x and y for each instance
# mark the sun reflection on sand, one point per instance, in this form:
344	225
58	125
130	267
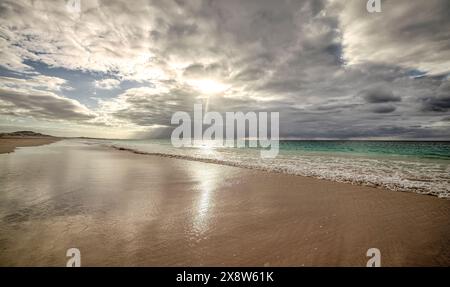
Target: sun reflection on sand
207	183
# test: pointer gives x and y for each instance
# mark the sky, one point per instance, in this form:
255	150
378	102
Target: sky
121	69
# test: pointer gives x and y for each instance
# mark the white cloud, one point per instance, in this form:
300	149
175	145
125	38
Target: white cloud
413	34
29	102
107	84
35	82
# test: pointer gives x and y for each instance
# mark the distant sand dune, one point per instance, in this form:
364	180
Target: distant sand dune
9	144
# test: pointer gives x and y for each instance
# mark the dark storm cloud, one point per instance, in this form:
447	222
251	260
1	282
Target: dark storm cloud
439	102
436	104
357	130
383	109
379	94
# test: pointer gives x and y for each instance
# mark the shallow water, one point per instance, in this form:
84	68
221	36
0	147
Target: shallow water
420	167
107	203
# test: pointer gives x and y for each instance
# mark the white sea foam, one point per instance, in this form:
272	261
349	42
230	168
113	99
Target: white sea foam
394	173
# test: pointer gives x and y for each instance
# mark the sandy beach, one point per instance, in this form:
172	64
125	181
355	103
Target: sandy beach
121	208
9	144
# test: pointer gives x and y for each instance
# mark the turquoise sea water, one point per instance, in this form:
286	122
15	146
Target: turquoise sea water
421	167
431	150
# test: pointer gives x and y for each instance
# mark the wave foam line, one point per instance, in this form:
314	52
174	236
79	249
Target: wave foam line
390	186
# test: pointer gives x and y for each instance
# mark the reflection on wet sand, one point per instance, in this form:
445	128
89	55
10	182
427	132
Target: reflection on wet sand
207	183
121	208
73	195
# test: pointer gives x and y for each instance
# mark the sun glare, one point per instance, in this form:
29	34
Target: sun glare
207	86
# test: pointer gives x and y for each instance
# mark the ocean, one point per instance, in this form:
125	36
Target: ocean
412	166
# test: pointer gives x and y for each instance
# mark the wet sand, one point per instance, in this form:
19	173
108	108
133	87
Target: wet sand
9	144
121	208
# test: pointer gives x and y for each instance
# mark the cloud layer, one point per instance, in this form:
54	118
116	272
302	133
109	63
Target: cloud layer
330	68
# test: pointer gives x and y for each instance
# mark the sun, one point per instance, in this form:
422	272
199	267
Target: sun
208	86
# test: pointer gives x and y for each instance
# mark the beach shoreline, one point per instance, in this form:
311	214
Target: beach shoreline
9	144
259	168
401	174
124	209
